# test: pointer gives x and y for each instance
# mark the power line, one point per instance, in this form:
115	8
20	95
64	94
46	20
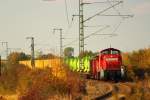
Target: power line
123	16
70	25
66	10
102	11
49	0
100	2
67	16
107	34
114	8
99	30
117	27
93	26
71	42
96	32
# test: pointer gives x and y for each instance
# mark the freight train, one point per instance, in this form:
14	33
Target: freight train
107	64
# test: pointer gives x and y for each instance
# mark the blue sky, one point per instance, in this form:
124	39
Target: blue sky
22	18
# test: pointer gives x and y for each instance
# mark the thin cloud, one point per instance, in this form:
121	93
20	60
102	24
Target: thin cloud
142	8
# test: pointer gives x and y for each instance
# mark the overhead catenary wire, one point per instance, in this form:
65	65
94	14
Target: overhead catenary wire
76	40
101	2
99	30
71	42
114	8
112	5
113	15
102	11
70	23
67	14
117	27
95	26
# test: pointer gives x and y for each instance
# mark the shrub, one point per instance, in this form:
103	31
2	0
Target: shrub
8	80
45	85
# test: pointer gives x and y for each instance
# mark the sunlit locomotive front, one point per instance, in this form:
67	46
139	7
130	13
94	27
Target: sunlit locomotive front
107	65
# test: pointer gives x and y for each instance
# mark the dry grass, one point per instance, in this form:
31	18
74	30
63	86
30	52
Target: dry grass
140	90
40	84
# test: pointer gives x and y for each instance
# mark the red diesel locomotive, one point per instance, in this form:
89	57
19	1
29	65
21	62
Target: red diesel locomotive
107	65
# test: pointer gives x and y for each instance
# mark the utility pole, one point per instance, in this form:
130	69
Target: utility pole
81	34
61	38
32	52
6	43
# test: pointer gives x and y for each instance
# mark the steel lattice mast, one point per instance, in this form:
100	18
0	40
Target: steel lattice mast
81	33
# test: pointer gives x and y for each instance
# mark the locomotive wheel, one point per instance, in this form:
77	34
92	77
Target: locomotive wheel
117	76
111	75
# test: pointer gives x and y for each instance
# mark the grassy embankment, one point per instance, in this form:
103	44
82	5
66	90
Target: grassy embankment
39	84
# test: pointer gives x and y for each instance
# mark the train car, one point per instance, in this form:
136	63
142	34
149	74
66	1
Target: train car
107	65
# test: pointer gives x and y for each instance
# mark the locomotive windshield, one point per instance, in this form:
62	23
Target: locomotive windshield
105	52
110	51
115	52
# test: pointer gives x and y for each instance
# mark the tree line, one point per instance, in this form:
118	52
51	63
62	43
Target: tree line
137	63
133	60
137	59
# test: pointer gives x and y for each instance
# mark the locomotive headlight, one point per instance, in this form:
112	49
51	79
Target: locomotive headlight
111	59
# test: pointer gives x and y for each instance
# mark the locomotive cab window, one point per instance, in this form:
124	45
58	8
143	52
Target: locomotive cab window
110	51
115	52
105	52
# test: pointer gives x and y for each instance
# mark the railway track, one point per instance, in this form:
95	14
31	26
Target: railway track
97	90
100	90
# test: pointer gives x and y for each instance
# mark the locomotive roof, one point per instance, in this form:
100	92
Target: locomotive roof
109	49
